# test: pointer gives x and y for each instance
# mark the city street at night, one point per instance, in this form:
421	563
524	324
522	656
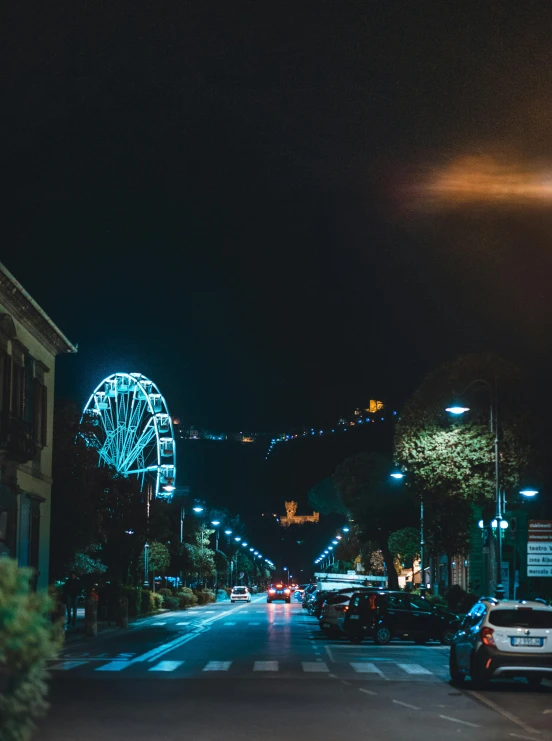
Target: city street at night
266	671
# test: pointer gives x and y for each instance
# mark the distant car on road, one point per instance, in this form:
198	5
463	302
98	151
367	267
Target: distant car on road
384	614
240	594
278	591
503	639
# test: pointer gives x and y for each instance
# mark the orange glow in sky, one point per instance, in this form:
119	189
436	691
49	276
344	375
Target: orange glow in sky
484	179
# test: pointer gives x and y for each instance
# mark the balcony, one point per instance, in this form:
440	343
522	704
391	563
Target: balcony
17	439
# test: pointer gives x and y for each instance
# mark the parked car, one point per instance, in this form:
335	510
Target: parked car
306	595
316	603
333	607
240	594
503	639
384	614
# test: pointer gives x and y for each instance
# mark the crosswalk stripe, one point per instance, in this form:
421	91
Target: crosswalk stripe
253	623
217	666
187	623
414	669
365	667
163	622
113	666
314	666
265	666
229	623
66	665
166	666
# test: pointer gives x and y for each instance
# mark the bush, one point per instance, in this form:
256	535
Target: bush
28	637
134	597
205	597
222	595
186	598
165	592
148	602
158	600
170	602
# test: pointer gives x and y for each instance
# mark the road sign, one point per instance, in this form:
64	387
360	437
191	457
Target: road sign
539	548
539	571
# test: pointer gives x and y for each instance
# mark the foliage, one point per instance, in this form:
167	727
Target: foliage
459	600
456	459
205	597
324	498
159	558
147	603
170	602
405	544
27	638
164	592
186	598
84	563
134	597
158	600
376	505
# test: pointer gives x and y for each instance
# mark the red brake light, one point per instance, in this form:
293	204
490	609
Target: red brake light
487	636
341	608
271	591
286	591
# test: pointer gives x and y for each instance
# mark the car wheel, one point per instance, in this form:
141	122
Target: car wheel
288	601
447	636
355	639
456	677
534	681
382	635
478	679
269	601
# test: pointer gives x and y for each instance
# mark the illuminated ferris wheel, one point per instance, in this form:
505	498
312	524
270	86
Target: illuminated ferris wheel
133	430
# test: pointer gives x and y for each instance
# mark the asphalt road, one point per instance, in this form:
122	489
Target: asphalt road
244	672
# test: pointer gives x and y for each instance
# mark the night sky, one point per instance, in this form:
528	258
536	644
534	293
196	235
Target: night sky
245	201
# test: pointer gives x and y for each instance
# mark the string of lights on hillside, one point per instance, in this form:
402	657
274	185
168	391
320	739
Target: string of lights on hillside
360	416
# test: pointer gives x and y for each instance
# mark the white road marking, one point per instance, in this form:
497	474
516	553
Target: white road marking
165	666
455	720
66	665
229	623
265	666
217	666
188	623
113	666
406	705
504	713
368	692
363	667
414	669
253	623
314	666
157	623
527	738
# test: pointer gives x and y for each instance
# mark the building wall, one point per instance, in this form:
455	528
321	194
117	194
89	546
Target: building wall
29	344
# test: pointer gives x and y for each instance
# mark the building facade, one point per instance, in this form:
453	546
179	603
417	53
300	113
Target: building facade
29	345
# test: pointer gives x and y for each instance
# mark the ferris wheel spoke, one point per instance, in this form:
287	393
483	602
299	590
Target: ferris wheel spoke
143	441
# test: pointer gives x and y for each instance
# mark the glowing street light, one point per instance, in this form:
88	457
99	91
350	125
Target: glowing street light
529	492
197	509
457	410
345	529
397	475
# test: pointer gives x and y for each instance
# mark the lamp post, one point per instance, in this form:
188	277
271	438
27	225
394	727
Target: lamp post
216	523
399	476
459	410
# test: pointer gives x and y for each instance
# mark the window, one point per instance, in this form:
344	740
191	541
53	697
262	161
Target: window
419	605
521	618
40	412
397	602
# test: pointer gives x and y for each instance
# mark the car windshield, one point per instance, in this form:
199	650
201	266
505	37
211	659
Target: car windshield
239	590
521	618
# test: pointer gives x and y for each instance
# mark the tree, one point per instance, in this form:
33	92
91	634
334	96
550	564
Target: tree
457	459
325	498
451	463
159	559
376	506
404	544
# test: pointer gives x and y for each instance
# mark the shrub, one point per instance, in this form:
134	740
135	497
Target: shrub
165	592
27	638
148	602
171	603
186	599
222	595
158	600
134	597
205	597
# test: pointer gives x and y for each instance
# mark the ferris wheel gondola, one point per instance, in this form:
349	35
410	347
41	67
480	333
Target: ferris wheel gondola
133	430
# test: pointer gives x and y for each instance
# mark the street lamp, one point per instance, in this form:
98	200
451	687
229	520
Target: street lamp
529	493
345	529
459	410
216	523
197	509
399	476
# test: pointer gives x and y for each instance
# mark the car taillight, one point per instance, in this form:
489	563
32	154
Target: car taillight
286	591
487	636
341	608
271	591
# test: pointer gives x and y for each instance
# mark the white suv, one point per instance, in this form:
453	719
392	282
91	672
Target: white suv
503	639
240	594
